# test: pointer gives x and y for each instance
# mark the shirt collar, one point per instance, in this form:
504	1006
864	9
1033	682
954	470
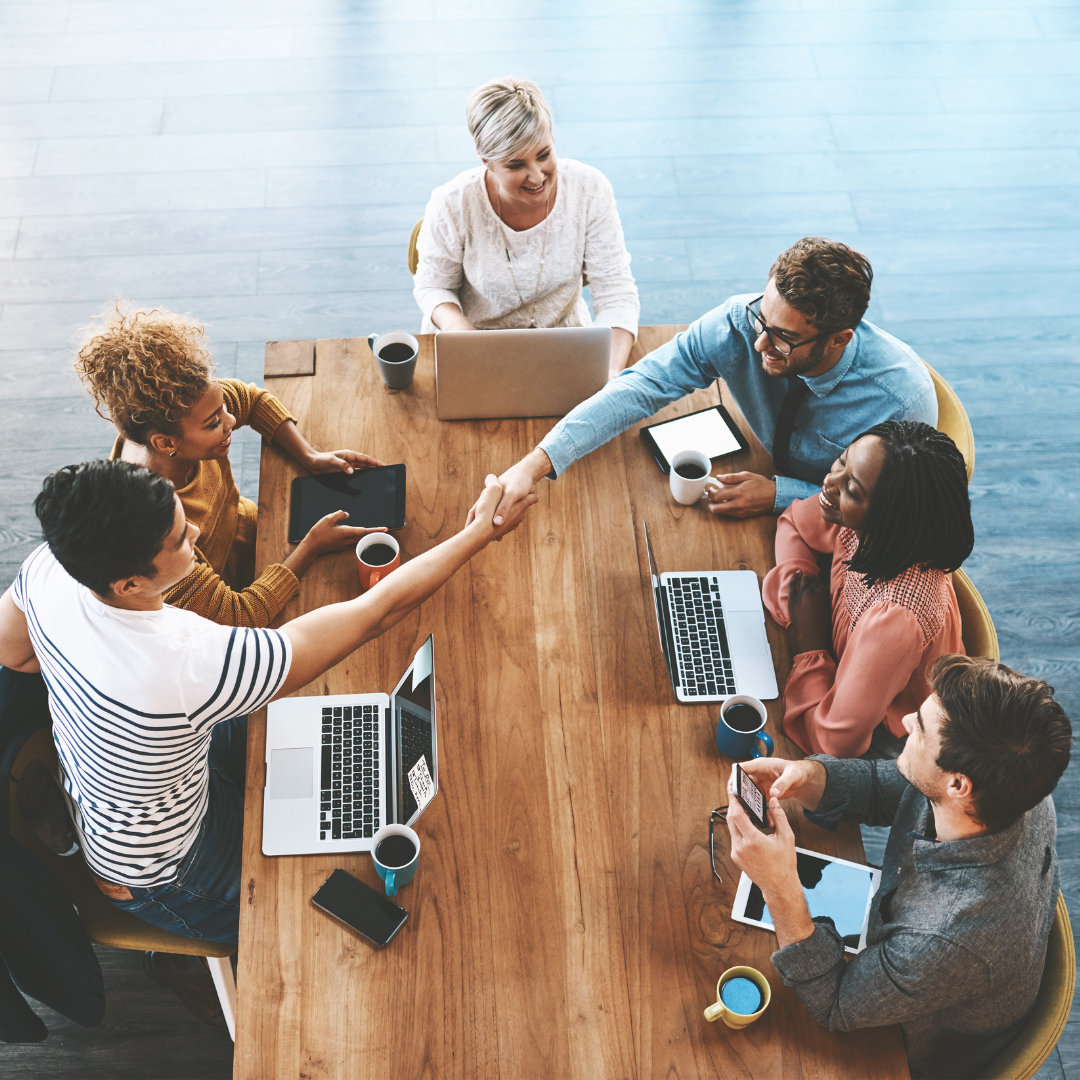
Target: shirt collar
929	855
823	385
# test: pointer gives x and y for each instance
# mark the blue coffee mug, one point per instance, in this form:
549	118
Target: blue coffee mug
738	743
395	876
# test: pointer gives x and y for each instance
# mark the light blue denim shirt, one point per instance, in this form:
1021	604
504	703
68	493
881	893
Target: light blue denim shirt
877	378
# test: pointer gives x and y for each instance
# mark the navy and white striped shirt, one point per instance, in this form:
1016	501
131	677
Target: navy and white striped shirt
134	697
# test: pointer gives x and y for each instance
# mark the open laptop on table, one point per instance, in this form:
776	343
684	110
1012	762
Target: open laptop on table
712	632
340	766
497	374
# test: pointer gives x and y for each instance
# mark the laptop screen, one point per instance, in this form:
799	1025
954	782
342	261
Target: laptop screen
413	706
660	607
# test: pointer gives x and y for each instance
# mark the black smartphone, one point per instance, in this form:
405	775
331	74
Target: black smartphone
752	799
360	908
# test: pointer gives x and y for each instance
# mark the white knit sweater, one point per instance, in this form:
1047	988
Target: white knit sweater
463	256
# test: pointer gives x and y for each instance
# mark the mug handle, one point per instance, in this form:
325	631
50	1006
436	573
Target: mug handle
371	339
710	487
766	738
391	883
376	577
715	1011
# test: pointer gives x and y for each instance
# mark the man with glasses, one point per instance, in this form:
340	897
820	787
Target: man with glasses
808	372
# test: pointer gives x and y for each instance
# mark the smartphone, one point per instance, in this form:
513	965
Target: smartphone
752	799
360	908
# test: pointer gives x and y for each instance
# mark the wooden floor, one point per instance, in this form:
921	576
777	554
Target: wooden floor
259	163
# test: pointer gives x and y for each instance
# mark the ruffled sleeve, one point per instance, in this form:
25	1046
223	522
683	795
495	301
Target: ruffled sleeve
833	708
801	535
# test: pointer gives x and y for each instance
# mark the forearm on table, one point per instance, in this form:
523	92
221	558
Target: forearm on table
289	438
448	316
324	637
790	488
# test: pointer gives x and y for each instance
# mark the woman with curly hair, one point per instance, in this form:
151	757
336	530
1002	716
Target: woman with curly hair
150	373
894	517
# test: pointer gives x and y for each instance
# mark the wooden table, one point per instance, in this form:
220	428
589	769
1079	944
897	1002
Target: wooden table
565	921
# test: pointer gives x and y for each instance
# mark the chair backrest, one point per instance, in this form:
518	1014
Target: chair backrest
980	637
953	420
413	256
1022	1058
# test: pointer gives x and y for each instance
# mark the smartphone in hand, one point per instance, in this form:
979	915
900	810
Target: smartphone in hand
360	908
752	800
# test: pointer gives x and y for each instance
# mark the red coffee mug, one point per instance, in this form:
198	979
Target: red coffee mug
371	561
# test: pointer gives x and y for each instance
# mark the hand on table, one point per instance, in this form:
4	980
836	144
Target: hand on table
346	461
810	611
330	533
742	494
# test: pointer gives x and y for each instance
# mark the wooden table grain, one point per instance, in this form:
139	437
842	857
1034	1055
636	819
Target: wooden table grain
565	921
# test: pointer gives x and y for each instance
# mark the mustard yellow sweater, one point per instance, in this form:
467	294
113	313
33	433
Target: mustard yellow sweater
221	586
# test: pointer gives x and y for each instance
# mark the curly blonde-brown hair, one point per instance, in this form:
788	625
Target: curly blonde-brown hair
145	370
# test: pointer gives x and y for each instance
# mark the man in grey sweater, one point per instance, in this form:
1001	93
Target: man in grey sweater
958	928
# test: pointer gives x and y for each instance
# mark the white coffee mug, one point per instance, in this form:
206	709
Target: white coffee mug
689	489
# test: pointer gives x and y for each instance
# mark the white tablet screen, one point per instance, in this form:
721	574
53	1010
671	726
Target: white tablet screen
834	887
704	431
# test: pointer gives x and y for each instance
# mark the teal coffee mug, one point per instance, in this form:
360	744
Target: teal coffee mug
739	729
396	852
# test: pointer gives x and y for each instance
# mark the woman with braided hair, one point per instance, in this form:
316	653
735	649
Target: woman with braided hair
894	516
150	373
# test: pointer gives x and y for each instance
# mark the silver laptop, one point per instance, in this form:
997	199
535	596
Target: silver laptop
340	766
497	374
712	632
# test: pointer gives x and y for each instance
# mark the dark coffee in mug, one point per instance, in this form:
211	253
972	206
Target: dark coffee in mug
690	471
740	717
377	554
396	353
395	851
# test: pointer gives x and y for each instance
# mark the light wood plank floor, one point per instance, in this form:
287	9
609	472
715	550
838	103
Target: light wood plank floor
260	164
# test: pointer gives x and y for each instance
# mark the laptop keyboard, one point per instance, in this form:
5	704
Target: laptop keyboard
350	772
701	646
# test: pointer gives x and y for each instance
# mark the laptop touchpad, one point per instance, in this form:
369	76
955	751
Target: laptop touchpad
291	773
745	633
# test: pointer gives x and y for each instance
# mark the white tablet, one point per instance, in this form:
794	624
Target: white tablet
711	430
834	887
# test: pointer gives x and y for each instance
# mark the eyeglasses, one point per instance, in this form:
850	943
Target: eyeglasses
719	814
780	344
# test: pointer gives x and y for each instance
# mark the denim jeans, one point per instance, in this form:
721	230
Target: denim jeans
203	900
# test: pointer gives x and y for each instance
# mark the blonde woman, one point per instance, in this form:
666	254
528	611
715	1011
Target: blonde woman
505	244
150	373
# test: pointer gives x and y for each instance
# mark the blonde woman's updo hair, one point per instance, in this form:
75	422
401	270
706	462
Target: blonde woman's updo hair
506	116
145	370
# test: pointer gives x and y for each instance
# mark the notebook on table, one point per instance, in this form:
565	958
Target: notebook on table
712	632
501	374
340	766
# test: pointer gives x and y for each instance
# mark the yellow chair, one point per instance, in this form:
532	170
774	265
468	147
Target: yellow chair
414	257
105	924
1022	1058
953	420
980	637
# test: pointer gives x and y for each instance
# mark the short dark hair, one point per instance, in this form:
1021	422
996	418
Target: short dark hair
105	520
825	280
919	512
1004	731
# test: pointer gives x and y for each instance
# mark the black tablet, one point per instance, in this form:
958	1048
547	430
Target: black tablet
373	498
711	430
